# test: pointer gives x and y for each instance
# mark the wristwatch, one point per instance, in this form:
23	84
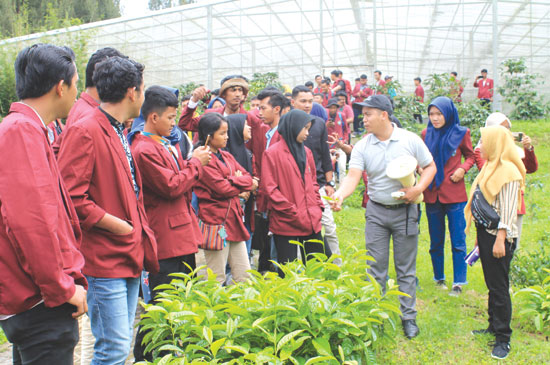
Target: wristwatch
331	183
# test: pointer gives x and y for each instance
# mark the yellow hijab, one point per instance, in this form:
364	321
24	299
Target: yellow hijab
503	166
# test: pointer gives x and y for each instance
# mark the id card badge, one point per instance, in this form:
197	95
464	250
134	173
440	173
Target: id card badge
222	233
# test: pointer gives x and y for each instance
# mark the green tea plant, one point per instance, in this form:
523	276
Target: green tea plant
519	90
261	80
527	267
538	303
317	313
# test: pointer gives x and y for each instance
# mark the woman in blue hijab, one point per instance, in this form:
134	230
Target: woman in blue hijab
451	147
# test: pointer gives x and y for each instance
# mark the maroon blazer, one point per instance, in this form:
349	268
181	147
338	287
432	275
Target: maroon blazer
218	187
39	231
190	122
167	196
96	171
294	204
450	192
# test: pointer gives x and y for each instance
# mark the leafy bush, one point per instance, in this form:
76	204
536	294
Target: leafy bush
405	107
527	267
519	90
538	305
261	80
319	313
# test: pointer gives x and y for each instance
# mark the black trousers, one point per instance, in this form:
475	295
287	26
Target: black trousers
287	252
418	118
261	241
486	103
496	273
357	111
43	335
167	266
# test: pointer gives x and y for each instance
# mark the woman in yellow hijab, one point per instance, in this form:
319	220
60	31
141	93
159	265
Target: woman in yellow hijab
500	180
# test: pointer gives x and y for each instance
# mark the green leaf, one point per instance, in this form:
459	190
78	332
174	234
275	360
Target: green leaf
240	349
317	359
207	334
286	338
216	346
322	346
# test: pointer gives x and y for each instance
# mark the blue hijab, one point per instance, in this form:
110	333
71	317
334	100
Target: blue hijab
139	123
444	141
211	103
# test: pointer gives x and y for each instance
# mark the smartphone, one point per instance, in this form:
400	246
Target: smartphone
518	136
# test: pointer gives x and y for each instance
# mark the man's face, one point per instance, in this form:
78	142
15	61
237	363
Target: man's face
416	82
138	101
318	99
377	76
166	121
373	120
341	101
303	101
254	104
333	77
363	81
333	109
484	74
318	80
69	96
184	103
324	87
267	112
234	95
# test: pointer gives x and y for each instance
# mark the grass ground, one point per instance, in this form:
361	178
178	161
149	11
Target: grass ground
445	322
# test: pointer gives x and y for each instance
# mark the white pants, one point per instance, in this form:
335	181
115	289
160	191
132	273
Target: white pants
327	220
341	160
236	254
84	350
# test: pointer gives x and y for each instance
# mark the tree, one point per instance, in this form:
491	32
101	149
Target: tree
164	4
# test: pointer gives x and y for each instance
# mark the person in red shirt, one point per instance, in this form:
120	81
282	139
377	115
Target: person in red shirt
337	124
318	79
379	85
290	181
456	88
105	186
446	196
168	179
43	289
485	88
219	190
326	92
345	109
360	93
419	94
527	154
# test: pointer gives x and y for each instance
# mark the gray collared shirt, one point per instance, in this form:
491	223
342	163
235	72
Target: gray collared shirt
372	155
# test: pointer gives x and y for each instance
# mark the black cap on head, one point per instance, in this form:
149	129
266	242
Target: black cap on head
363	76
333	101
378	102
484	70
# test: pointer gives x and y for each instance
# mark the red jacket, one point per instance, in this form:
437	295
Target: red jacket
531	165
190	122
167	196
380	83
359	94
485	88
96	171
326	97
218	191
81	108
419	92
340	126
450	192
39	232
294	204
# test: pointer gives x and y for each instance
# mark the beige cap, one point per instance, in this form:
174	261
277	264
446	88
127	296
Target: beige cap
234	82
496	119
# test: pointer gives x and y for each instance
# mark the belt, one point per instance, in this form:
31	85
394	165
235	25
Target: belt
391	206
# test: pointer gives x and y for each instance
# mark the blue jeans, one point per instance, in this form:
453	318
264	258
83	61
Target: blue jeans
436	222
112	308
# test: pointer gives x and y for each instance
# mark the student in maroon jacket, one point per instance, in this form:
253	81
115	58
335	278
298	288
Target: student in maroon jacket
221	185
168	179
448	143
105	187
43	289
485	88
289	179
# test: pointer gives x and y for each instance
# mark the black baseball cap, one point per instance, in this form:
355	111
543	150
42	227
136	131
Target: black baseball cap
332	101
378	102
484	70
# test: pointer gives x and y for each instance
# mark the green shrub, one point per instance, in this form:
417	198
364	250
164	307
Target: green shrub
261	80
538	303
319	313
527	267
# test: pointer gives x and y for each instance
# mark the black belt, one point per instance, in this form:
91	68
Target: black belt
392	206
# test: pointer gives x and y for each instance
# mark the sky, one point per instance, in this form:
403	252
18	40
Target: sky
133	8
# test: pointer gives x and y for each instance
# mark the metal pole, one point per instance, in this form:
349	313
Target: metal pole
321	38
497	105
375	51
210	48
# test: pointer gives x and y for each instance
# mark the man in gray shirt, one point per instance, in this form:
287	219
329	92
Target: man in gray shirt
387	217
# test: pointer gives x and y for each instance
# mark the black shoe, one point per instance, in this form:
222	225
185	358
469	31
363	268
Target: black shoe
440	284
410	328
456	291
501	350
485	331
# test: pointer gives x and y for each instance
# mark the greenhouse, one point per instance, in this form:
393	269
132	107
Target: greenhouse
298	39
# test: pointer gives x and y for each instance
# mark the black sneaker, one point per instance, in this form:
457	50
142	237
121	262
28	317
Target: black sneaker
456	291
501	350
440	284
410	328
485	331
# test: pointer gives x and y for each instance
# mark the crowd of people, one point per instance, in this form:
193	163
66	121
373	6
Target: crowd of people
110	202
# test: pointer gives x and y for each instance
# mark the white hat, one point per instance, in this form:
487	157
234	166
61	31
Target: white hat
497	119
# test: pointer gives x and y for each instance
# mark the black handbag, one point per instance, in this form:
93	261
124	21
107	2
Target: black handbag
483	212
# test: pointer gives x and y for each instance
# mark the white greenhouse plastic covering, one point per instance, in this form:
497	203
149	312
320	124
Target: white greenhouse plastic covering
205	41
